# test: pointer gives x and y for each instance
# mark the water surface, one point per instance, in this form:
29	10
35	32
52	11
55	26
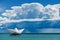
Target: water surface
30	37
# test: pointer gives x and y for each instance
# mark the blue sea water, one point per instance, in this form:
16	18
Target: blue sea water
30	37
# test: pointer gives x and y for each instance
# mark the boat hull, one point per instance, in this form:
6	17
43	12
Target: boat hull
15	31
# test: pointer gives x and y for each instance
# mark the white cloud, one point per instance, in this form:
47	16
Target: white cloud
31	12
3	18
9	21
25	10
9	13
52	11
50	30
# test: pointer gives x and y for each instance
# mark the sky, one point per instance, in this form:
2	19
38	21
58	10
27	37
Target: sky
7	4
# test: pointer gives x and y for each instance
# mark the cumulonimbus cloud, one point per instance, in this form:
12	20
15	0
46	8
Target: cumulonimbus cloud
35	11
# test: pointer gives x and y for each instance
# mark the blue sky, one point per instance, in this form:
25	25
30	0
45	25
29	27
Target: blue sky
7	4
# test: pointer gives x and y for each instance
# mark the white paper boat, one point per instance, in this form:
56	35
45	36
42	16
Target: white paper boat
15	31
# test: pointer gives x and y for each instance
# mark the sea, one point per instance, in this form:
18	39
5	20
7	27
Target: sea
33	33
30	37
